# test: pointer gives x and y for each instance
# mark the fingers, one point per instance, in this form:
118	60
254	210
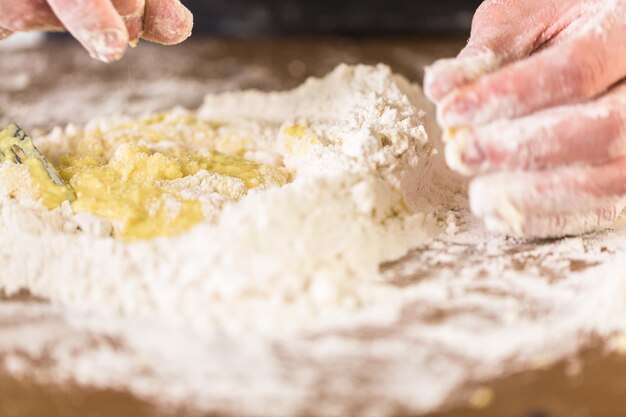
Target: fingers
167	22
96	25
514	198
103	27
30	15
501	33
27	15
132	12
588	134
557	225
574	71
524	189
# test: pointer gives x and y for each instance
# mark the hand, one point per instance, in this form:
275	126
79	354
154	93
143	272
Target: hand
539	114
103	27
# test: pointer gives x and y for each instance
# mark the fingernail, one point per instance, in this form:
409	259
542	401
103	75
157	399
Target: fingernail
453	152
473	155
463	154
490	199
449	134
457	110
107	46
483	193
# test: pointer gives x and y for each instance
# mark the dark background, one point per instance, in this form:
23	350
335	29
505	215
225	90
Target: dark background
247	18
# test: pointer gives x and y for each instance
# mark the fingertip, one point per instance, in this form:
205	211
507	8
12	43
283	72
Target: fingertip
186	26
453	152
167	22
447	75
96	25
108	45
480	196
434	86
490	198
457	109
558	225
463	155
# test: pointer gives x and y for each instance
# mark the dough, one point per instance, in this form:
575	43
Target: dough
346	170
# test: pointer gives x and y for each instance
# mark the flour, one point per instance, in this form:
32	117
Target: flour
472	307
468	307
22	41
298	256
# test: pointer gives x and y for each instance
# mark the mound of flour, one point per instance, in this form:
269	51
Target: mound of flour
302	255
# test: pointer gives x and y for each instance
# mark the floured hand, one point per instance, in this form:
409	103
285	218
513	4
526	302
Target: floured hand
103	27
535	109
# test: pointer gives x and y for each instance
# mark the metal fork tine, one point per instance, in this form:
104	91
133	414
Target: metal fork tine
19	154
18	147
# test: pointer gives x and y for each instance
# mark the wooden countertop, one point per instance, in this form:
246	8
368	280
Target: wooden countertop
34	86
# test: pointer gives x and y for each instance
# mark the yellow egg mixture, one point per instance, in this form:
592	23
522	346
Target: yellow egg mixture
16	147
119	176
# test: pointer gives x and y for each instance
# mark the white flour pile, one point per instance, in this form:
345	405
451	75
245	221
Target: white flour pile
298	256
474	307
466	308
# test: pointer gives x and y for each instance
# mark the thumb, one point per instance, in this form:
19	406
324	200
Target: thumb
167	22
502	32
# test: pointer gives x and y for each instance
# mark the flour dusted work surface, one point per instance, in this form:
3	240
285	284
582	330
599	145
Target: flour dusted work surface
259	212
439	328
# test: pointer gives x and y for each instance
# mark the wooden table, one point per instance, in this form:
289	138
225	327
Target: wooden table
34	86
